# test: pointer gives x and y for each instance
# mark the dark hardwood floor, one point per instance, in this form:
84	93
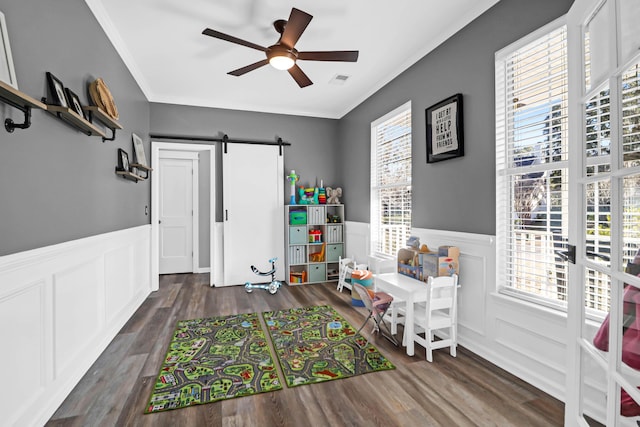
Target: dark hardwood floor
461	391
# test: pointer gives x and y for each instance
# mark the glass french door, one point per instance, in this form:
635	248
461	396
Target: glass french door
604	304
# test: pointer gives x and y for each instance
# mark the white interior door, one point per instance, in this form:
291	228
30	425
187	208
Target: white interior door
604	304
253	185
176	216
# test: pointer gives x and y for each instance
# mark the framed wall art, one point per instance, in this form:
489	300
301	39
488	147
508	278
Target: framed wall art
7	72
74	102
445	130
123	160
56	91
138	149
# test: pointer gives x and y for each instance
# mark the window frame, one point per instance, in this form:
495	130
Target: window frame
503	170
374	214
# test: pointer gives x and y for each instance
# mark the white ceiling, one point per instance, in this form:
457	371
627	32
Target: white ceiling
161	43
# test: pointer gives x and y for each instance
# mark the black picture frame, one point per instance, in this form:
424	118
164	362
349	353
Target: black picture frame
56	91
74	102
123	160
445	130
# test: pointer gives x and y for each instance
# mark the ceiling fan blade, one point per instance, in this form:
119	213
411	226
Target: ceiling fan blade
297	23
299	76
227	37
336	55
245	70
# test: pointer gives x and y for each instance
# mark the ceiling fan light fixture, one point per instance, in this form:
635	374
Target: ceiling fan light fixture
281	58
281	62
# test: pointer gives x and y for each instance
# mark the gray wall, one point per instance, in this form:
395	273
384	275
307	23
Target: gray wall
457	194
313	141
56	183
313	144
204	211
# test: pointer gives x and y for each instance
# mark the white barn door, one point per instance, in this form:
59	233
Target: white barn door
253	209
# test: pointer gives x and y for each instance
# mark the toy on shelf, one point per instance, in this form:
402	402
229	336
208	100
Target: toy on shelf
333	194
317	256
315	236
335	219
293	178
298	277
308	196
322	196
272	286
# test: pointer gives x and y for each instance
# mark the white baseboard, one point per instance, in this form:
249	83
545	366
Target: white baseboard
62	305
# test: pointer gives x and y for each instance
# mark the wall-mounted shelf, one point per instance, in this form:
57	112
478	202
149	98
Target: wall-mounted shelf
75	120
144	168
96	113
130	175
22	102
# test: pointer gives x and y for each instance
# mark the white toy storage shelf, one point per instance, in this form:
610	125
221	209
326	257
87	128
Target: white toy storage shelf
314	241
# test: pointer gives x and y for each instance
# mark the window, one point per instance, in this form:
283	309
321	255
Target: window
391	181
532	165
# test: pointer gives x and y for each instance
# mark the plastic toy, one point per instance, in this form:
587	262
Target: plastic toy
322	196
272	286
293	178
333	194
308	196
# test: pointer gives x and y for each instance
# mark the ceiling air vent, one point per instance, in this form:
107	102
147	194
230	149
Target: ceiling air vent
339	79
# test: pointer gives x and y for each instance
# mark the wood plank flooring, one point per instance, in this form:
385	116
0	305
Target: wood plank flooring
461	391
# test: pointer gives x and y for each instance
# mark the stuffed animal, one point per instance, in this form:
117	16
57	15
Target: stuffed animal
333	194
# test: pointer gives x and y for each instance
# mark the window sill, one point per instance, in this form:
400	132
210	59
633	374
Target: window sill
515	297
548	307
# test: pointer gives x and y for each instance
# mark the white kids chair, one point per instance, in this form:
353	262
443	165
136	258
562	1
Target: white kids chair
438	314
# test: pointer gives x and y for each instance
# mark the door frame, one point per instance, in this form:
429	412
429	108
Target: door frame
579	325
156	147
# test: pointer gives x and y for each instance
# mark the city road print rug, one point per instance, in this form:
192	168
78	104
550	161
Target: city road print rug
316	344
213	359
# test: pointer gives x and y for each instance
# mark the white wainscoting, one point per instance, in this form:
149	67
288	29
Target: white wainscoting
60	306
525	339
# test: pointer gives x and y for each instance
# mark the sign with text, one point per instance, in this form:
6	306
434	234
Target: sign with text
444	130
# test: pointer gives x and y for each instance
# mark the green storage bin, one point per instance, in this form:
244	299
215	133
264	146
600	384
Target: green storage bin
297	217
317	272
297	235
334	252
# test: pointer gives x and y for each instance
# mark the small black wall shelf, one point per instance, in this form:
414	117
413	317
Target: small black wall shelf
139	167
130	175
20	101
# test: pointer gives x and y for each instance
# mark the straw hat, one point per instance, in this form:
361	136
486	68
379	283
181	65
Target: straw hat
102	98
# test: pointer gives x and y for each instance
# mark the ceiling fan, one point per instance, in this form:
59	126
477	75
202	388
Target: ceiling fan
283	55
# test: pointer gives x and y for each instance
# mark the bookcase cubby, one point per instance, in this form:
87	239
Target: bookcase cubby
314	241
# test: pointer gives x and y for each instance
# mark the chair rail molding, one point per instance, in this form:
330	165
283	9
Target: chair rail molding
62	305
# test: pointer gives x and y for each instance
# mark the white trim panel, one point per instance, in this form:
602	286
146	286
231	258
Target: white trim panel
523	338
61	305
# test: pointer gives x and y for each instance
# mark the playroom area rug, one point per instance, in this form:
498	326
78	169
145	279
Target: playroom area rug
213	359
316	344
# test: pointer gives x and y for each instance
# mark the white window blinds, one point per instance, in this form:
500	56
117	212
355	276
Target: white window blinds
531	164
391	181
